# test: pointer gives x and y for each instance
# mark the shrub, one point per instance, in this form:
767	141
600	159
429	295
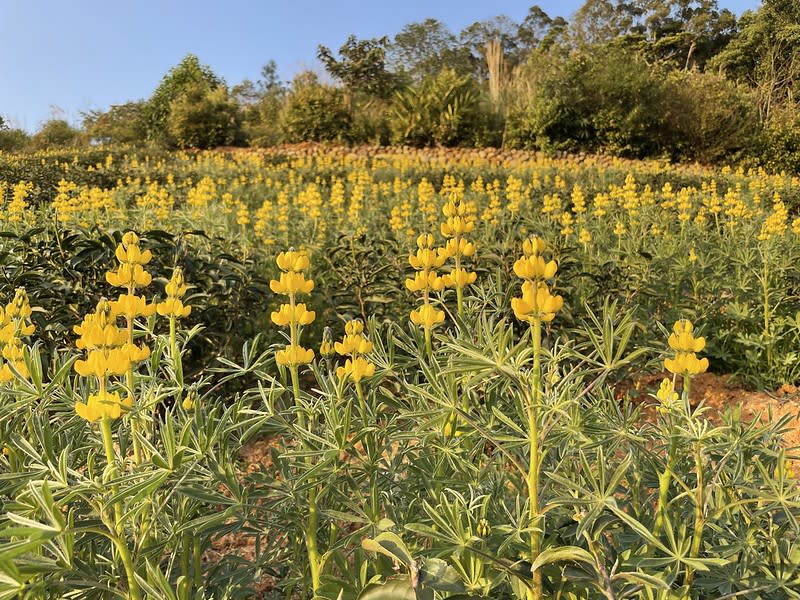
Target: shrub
315	112
440	111
202	117
709	118
55	133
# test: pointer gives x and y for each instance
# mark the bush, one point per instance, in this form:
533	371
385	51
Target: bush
120	124
315	112
56	133
709	118
780	150
13	140
202	117
442	111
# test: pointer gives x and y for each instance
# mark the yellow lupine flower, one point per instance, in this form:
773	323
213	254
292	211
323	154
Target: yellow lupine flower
173	307
533	246
461	247
291	282
108	405
666	394
176	286
356	369
534	267
130	305
682	340
536	303
285	315
425	280
353	344
292	260
427	259
292	356
130	253
686	363
100	363
127	274
427	316
459	277
354	327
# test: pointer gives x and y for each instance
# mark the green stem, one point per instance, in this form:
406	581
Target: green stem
428	345
186	553
535	592
198	566
362	404
699	512
311	540
301	418
177	363
765	289
119	531
313	518
663	487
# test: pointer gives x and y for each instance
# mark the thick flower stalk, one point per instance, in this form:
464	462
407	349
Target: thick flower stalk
15	324
174	309
130	274
686	346
355	345
294	315
685	362
457	225
537	305
425	261
107	353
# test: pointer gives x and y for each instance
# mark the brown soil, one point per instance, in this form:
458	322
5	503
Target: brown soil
718	392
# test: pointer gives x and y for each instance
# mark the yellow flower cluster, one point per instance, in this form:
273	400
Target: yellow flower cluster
354	344
103	405
686	346
453	229
537	304
667	395
426	260
14	325
173	307
292	282
130	273
107	349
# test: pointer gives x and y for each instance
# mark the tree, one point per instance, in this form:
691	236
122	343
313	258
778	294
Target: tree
683	32
203	117
539	30
13	140
501	29
361	68
188	73
423	49
261	102
120	124
55	133
314	111
441	110
766	54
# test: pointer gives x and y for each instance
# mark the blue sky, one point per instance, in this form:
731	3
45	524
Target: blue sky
59	58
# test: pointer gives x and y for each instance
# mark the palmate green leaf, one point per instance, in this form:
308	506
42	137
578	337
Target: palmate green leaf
30	540
133	488
562	554
390	544
641	579
395	589
437	574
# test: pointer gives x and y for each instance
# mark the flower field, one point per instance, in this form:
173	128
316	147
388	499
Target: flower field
434	344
